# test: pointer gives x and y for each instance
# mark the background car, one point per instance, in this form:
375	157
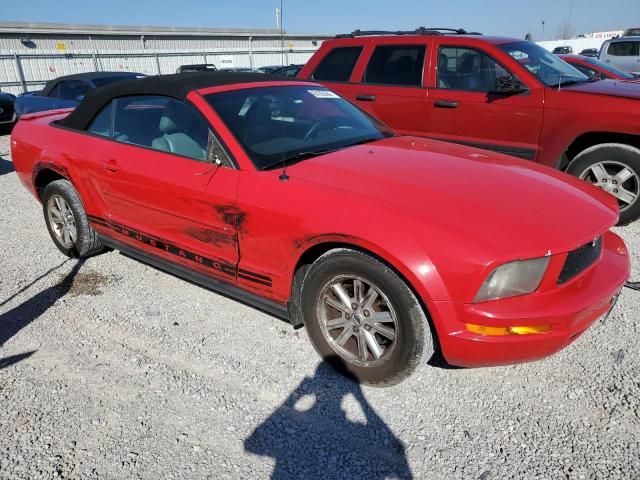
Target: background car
563	50
241	70
589	52
594	68
199	67
286	71
631	32
7	112
67	91
622	52
311	242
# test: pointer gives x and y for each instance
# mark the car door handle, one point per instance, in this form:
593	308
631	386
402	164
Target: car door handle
445	104
366	98
111	165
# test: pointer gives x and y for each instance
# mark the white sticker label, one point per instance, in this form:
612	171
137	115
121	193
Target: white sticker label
323	94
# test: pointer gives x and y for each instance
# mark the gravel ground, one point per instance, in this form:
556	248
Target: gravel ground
112	369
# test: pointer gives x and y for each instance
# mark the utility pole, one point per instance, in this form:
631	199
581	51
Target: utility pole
543	22
570	12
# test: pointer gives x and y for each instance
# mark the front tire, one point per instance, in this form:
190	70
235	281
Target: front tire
363	319
615	168
67	221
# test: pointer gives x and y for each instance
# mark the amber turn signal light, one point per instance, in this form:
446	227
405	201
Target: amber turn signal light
501	331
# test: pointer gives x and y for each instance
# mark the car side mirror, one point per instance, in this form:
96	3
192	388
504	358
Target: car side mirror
508	84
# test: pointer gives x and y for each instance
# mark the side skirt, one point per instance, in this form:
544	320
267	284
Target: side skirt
232	291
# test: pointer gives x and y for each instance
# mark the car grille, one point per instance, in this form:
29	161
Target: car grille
579	260
6	113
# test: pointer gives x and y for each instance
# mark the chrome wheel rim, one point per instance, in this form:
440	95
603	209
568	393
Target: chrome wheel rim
62	221
618	179
357	320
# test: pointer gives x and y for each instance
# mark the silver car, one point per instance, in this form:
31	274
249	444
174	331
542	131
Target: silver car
623	52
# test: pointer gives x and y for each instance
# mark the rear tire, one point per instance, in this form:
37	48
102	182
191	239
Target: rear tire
615	168
67	221
383	339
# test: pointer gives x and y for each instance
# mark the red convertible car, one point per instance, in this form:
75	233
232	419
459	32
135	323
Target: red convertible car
288	197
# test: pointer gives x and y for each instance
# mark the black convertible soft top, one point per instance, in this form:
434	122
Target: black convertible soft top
177	86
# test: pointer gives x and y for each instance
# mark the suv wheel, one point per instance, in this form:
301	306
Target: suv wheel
615	168
363	319
67	222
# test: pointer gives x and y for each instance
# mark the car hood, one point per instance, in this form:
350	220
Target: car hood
527	209
615	88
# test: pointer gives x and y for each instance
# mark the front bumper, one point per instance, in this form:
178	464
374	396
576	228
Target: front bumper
569	309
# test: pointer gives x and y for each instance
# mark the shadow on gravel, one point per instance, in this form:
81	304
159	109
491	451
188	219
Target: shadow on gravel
310	435
5	166
7	362
19	317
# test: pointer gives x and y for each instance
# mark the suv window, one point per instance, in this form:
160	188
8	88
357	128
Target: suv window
623	49
468	70
396	65
160	123
337	65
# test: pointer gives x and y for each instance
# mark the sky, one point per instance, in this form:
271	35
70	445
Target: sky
497	17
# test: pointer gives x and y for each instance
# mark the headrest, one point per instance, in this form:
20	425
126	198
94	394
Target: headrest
175	116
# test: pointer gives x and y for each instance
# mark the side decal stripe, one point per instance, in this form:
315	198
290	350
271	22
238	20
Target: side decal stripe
214	264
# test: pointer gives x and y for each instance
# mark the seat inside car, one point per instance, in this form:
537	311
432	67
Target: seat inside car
178	132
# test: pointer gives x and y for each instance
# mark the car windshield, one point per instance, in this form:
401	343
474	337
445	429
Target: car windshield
547	67
610	68
289	123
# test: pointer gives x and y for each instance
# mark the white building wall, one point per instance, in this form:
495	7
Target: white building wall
44	56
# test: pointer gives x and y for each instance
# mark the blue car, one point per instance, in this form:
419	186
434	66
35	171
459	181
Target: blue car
67	91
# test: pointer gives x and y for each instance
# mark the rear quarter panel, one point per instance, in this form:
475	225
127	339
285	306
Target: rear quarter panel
37	145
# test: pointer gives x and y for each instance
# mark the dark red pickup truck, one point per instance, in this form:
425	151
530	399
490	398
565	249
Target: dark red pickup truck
501	94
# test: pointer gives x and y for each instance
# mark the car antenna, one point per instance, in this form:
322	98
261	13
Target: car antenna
283	176
560	82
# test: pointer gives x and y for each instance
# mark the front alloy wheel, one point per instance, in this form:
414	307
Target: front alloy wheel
363	319
357	320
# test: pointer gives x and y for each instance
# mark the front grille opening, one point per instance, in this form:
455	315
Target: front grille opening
579	260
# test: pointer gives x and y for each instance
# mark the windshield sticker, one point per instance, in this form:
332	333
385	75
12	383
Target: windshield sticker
323	94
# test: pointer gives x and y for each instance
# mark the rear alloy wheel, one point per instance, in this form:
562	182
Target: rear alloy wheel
67	222
363	319
615	168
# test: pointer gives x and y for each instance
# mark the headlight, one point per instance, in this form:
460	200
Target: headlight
513	278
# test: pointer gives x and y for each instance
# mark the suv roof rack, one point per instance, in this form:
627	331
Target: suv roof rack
417	31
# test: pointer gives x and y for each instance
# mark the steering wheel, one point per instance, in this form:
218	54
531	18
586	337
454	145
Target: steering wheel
323	123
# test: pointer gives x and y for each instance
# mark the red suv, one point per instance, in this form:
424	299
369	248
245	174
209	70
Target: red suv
501	94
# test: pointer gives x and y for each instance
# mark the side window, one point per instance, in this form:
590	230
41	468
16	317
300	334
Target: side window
161	123
73	89
468	70
623	49
337	65
396	65
103	122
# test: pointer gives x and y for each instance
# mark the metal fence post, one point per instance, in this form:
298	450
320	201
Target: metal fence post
251	51
20	72
157	63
